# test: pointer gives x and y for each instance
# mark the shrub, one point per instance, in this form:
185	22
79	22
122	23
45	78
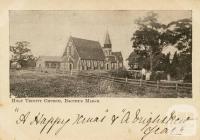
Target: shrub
120	73
157	76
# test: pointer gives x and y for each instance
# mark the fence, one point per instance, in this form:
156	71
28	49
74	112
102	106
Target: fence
172	85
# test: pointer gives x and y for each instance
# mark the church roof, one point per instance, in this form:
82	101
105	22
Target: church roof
88	49
118	55
107	39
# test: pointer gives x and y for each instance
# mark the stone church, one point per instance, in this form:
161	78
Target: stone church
82	54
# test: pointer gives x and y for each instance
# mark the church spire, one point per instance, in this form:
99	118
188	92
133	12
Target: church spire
107	43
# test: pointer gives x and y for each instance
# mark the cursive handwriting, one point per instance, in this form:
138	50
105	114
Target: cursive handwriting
150	124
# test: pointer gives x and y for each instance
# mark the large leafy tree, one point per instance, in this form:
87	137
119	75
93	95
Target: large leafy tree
175	69
151	37
163	62
146	39
21	54
179	34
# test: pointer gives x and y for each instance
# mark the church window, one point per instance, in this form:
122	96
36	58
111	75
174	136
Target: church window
82	62
106	52
109	52
113	65
95	63
88	63
107	66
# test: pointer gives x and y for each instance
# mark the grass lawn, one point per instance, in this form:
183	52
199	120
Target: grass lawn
36	84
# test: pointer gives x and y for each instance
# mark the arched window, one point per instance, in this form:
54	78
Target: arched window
88	63
107	66
95	63
109	52
70	66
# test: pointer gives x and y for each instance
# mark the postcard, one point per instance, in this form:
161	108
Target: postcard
90	70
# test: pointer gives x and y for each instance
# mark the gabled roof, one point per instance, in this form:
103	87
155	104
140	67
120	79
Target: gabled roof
118	55
88	49
133	55
50	58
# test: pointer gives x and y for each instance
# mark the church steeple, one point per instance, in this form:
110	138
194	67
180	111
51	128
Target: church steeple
107	43
107	49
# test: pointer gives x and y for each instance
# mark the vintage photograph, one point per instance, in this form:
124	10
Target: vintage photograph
99	53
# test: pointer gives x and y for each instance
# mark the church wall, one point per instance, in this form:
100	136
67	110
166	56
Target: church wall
120	64
76	60
91	65
107	51
73	57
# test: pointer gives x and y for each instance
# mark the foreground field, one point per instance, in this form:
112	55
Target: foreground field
36	84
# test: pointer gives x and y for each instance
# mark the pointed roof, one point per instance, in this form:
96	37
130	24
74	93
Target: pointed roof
118	55
107	39
88	49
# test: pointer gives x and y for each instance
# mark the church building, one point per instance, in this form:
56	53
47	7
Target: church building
83	54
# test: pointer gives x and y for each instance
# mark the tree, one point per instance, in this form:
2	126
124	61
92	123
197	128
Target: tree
146	39
151	37
174	71
136	61
163	62
21	54
179	34
166	64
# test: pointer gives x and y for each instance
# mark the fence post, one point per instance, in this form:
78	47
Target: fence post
157	84
177	90
176	86
140	82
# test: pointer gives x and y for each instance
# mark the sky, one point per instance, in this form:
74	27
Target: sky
49	31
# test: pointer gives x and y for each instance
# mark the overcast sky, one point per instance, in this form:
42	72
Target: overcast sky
48	31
